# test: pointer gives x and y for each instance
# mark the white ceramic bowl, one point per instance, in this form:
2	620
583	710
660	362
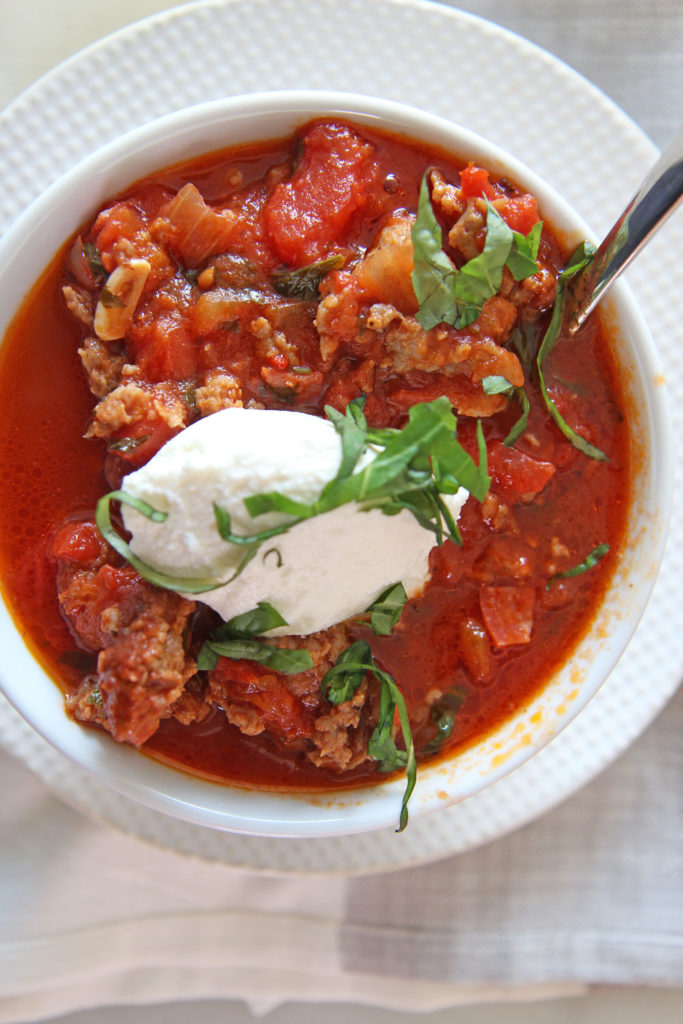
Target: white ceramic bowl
25	251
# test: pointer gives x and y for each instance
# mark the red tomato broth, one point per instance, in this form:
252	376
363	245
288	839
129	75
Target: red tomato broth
51	474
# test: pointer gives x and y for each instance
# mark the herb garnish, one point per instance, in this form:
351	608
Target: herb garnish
109	300
187	585
589	561
94	260
499	385
443	716
304	282
385	610
126	445
236	639
416	466
579	259
456	297
340	683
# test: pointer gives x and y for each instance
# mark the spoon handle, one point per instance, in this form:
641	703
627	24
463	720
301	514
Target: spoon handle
655	200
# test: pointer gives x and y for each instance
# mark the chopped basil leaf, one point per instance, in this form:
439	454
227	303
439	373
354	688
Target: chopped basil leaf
579	259
189	585
497	385
125	445
341	682
447	295
417	464
273	501
524	339
520	426
591	560
95	698
444	719
433	273
482	276
94	260
304	282
279	659
386	610
109	300
522	261
249	624
352	429
236	639
443	716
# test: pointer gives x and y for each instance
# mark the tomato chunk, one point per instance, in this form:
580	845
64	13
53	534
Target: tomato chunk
474	182
508	613
309	213
79	542
520	213
514	470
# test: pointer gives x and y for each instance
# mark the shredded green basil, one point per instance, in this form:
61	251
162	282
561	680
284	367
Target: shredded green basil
189	585
456	297
385	611
416	466
443	716
94	260
304	282
109	300
498	385
340	683
236	639
589	562
579	259
125	445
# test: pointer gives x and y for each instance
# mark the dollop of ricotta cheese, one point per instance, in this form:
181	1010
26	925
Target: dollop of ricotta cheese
320	571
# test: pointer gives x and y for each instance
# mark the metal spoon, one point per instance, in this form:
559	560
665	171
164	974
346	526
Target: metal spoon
655	200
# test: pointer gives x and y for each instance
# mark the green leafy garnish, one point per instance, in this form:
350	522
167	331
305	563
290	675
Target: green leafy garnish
482	276
456	297
342	680
236	639
578	261
416	466
589	561
125	445
253	623
95	698
385	611
524	340
523	259
498	385
109	300
186	585
304	282
340	683
94	260
443	716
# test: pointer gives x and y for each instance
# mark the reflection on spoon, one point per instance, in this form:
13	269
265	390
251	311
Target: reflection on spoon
657	198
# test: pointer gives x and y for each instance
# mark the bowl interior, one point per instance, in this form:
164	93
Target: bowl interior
41	230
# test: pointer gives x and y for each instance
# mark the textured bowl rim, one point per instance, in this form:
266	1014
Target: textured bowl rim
40	229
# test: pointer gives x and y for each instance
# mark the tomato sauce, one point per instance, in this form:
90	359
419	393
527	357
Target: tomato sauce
563	503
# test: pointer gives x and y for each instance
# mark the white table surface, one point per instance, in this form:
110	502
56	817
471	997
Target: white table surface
37	34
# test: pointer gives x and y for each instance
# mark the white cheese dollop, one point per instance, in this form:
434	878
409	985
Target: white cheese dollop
324	570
